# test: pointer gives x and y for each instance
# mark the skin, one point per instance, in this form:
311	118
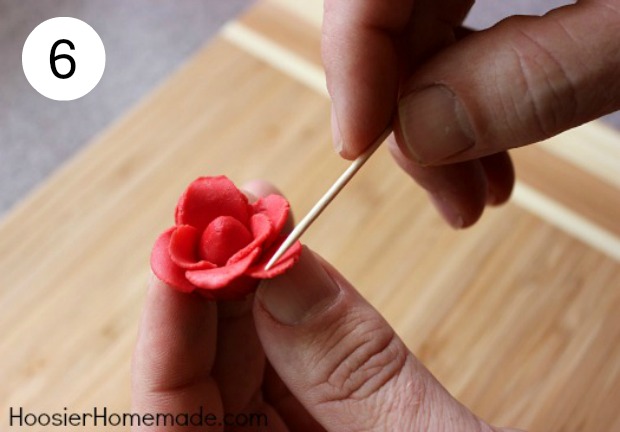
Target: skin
522	81
299	350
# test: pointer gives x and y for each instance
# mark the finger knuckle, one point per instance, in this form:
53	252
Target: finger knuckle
365	357
548	99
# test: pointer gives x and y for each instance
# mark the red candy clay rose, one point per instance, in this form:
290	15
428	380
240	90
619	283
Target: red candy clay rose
221	243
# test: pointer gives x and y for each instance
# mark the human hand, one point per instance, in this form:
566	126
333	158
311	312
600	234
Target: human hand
193	354
458	103
307	351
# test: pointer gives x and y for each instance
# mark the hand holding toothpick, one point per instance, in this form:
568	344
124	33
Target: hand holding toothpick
331	193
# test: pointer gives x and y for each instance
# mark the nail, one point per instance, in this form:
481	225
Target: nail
300	293
336	137
448	210
434	125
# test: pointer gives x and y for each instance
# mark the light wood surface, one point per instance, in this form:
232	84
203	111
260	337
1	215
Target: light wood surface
517	317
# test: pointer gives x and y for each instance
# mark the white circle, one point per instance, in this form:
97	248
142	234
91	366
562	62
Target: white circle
47	67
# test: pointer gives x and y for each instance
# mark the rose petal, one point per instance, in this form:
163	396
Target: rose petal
224	236
221	276
209	197
241	235
262	229
290	257
163	266
276	208
184	249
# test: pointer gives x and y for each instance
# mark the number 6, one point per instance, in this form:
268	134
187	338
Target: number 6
54	58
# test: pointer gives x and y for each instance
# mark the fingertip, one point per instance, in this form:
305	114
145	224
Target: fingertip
336	136
163	300
258	188
156	286
348	153
500	174
448	211
175	327
458	191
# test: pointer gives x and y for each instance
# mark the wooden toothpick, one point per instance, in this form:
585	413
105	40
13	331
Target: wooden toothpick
331	193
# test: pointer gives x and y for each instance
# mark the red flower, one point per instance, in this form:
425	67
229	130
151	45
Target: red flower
221	243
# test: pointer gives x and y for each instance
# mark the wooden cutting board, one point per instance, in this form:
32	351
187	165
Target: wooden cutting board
519	316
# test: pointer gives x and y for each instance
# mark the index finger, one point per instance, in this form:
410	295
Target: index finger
174	354
362	69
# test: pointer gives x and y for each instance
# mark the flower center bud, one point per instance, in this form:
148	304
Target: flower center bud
224	236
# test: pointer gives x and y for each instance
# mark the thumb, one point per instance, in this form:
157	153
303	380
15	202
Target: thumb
524	80
343	361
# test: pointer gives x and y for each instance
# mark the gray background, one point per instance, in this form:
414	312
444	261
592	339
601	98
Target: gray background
145	40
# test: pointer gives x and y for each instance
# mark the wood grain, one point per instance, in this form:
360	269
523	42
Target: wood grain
517	318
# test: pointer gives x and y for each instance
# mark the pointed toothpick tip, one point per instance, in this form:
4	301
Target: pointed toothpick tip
273	260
